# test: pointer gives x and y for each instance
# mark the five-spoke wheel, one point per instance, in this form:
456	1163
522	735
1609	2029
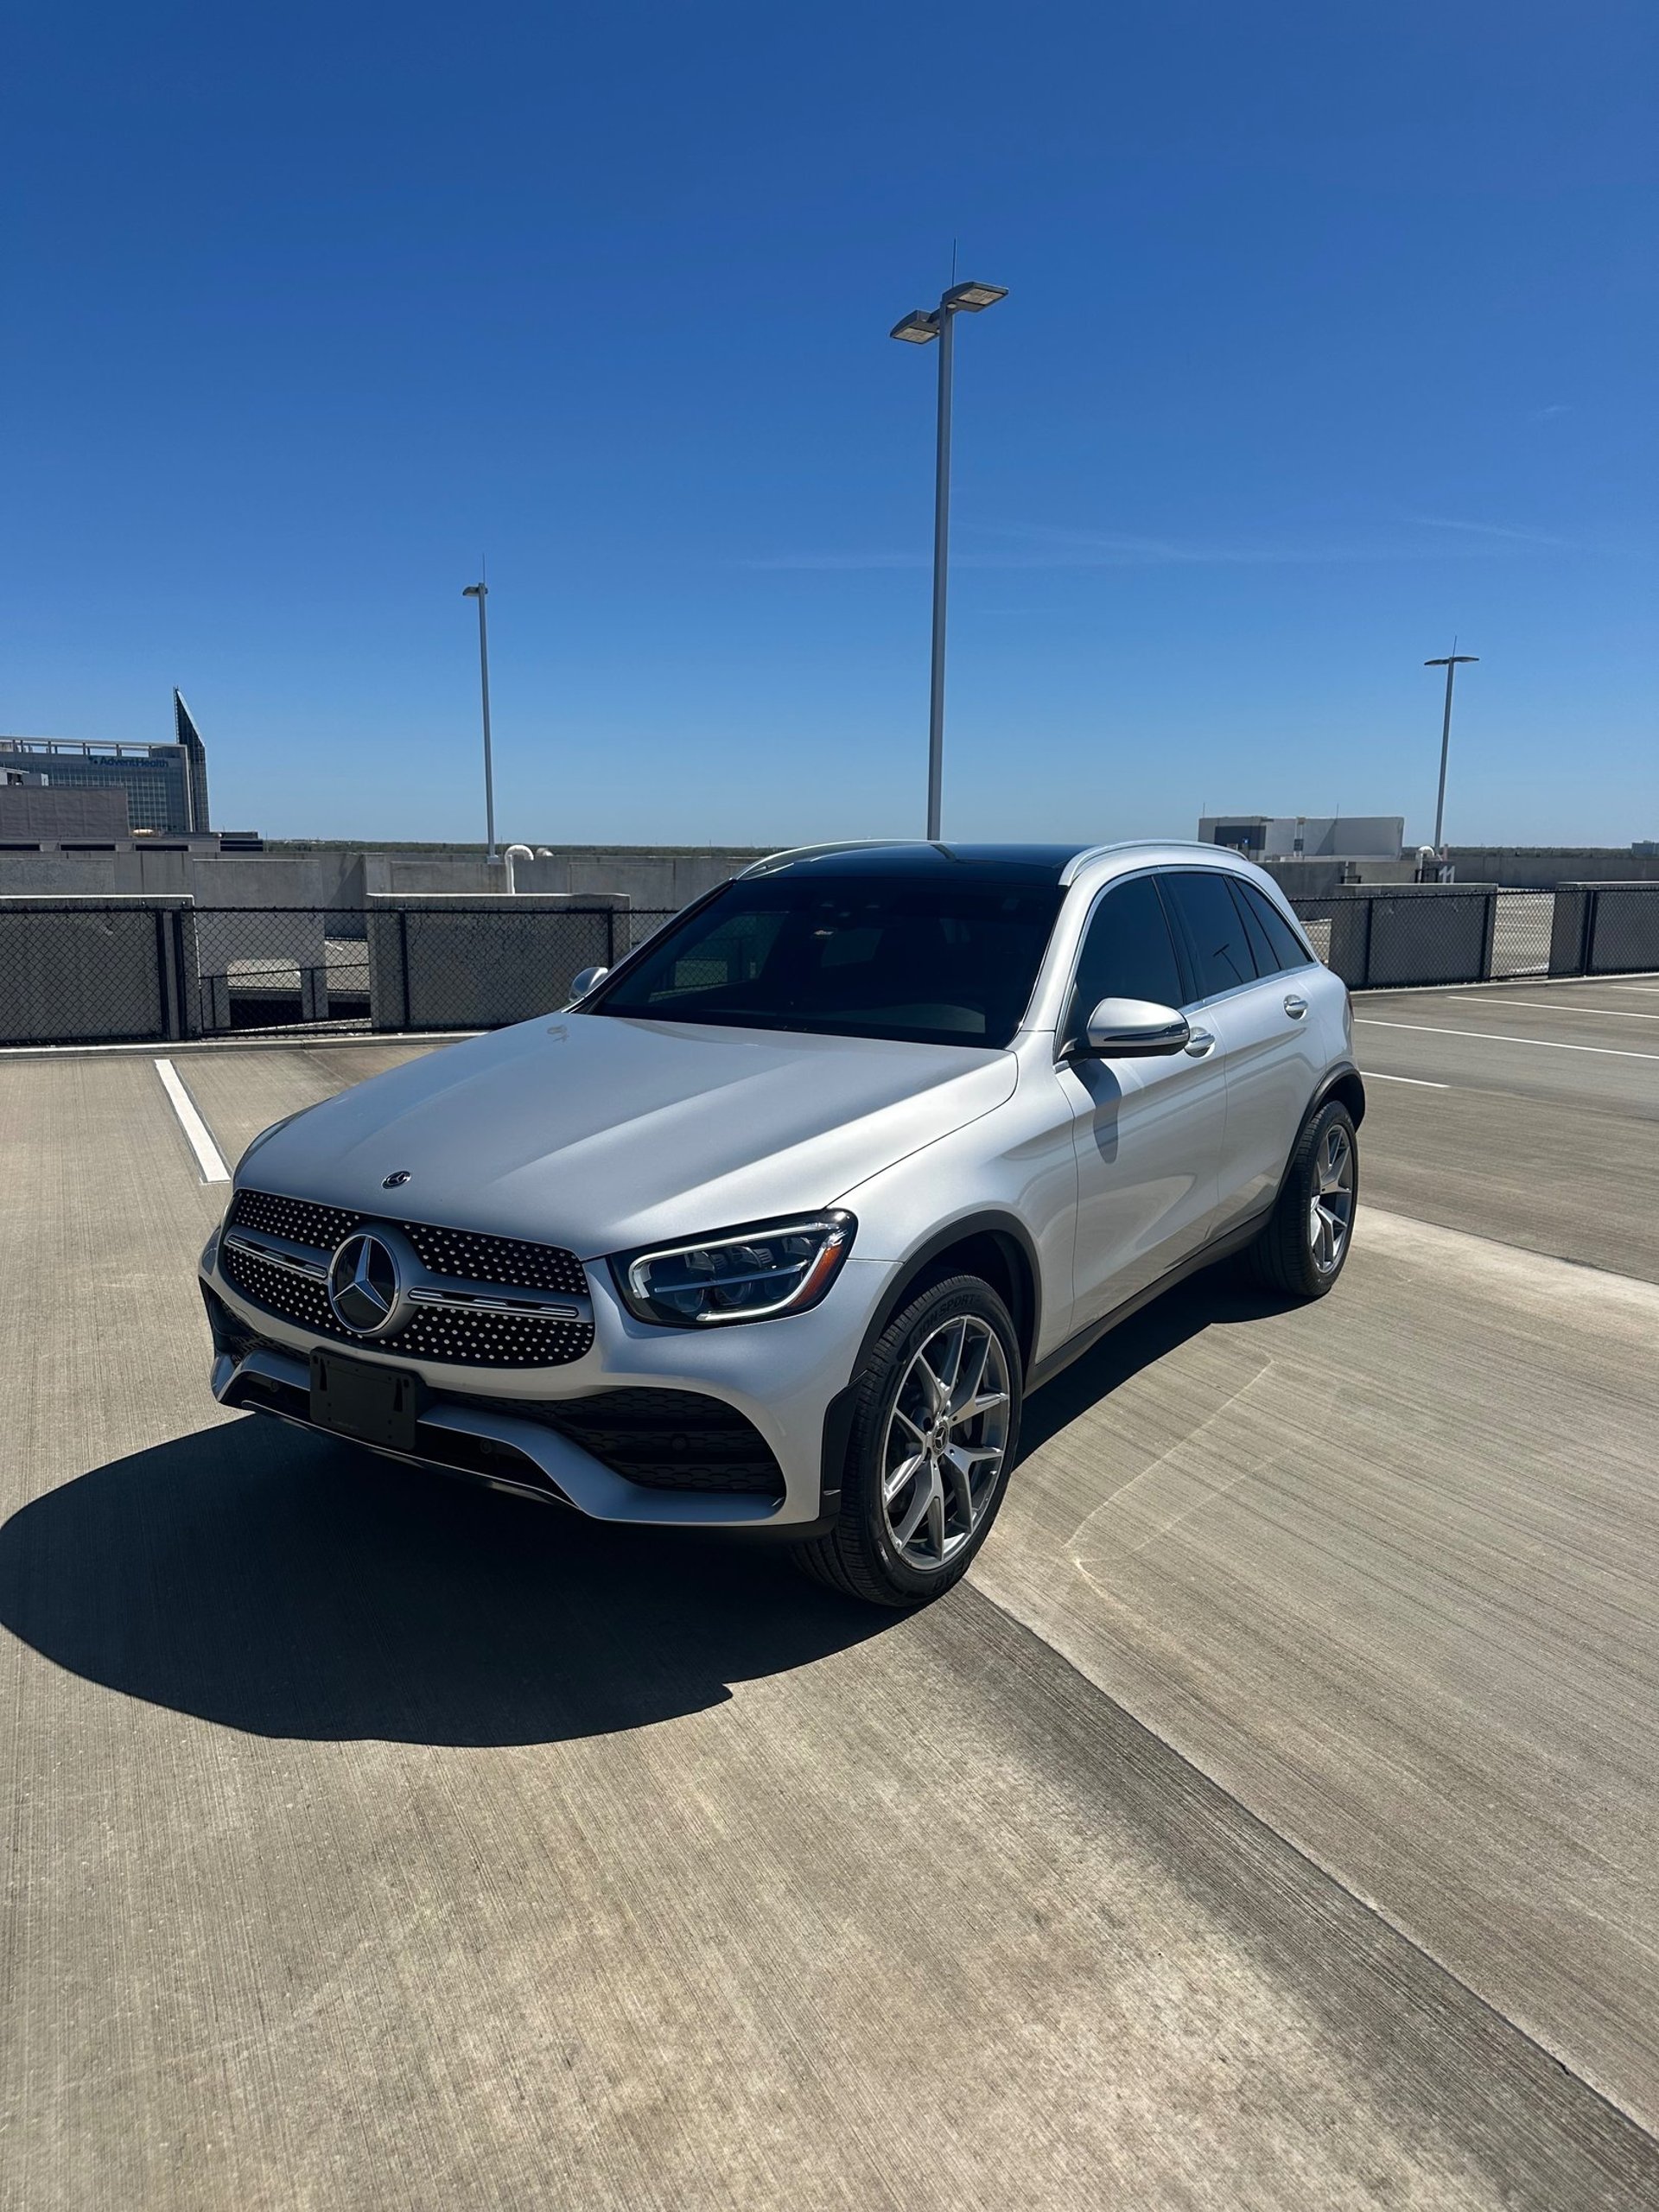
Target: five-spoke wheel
1331	1205
936	1426
1306	1240
946	1438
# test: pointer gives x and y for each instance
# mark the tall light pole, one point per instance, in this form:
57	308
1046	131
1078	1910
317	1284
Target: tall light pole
1451	662
917	328
480	592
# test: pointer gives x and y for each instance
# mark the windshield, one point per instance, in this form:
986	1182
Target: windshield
934	964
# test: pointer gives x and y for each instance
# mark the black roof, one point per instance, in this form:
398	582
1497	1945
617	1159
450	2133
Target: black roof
983	864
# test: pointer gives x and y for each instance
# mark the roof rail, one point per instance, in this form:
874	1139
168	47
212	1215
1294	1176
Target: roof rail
812	852
1079	861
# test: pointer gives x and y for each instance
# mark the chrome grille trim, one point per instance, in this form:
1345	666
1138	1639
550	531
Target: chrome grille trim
460	1297
276	1252
464	1316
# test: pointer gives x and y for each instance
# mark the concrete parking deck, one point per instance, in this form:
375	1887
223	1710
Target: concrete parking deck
1270	1821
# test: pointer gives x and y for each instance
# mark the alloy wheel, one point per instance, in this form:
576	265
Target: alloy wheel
1331	1208
945	1442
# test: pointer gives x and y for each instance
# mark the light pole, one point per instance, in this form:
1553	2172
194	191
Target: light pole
917	328
480	592
1451	662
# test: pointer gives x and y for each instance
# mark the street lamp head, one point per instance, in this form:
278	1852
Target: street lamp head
973	297
476	591
1450	660
918	327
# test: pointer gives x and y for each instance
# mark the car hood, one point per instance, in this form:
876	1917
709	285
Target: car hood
599	1133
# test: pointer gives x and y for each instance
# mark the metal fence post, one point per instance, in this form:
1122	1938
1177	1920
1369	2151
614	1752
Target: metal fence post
167	996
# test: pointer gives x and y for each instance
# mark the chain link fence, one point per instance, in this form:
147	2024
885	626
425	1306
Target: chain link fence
111	970
1382	937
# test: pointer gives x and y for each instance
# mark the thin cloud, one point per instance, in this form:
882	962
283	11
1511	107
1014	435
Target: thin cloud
1502	530
848	561
1045	546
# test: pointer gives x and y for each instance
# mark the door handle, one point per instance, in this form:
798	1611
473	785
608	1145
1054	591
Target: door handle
1295	1007
1198	1043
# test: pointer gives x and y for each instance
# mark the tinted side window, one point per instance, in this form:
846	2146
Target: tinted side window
1288	950
1127	953
1215	931
1261	951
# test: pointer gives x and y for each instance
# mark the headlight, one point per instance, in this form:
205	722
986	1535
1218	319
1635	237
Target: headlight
747	1274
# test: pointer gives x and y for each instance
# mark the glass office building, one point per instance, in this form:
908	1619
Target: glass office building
166	785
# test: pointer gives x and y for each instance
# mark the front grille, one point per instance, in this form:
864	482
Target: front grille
665	1440
509	1261
454	1335
322	1227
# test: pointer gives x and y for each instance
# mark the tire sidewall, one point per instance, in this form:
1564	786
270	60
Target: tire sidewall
883	1376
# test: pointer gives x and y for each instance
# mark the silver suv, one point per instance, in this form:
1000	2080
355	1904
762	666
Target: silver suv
778	1222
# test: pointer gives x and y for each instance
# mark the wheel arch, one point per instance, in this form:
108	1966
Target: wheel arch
992	1244
1343	1084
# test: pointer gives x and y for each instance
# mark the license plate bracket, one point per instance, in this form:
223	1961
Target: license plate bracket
371	1405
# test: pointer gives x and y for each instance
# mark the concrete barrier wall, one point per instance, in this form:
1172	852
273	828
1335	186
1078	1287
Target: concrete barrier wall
90	970
94	971
223	880
437	962
1423	933
1540	867
671	878
1624	930
1569	930
1430	934
666	878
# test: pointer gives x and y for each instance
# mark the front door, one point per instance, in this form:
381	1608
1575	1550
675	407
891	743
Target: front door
1148	1132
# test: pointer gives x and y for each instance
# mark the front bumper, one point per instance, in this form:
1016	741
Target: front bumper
786	1377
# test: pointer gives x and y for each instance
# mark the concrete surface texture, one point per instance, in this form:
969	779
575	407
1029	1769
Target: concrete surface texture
1269	1822
1545	866
658	878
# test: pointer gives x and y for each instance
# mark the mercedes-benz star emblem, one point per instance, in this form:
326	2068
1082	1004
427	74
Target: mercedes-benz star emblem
364	1284
396	1181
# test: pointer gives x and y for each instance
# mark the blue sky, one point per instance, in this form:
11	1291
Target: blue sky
1331	333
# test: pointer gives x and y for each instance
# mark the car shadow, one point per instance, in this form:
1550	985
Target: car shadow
1222	1297
269	1579
280	1584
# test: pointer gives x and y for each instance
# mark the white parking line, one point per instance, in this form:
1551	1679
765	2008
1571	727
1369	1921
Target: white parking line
1553	1006
1418	1082
1492	1037
213	1169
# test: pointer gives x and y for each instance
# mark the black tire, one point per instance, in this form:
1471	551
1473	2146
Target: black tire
1286	1257
858	1554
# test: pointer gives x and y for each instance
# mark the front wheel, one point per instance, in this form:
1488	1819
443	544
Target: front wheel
1302	1250
935	1424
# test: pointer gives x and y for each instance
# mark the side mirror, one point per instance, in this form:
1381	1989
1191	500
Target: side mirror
582	984
1122	1029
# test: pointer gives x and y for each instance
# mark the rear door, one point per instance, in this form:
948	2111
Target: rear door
1266	1045
1148	1132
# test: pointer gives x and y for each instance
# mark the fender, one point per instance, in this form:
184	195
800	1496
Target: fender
1344	1077
990	1221
1009	1229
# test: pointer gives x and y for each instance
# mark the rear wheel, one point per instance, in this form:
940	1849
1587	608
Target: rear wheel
1303	1248
935	1426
